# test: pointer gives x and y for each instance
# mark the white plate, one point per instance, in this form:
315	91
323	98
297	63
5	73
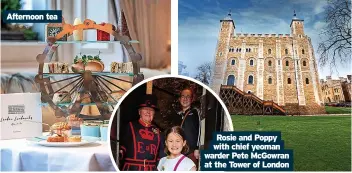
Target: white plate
42	141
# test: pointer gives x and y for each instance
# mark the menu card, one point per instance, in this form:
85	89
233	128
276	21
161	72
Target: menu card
21	115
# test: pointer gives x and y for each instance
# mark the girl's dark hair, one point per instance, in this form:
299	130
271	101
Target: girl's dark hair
177	130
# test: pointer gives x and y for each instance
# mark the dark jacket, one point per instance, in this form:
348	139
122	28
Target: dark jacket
191	125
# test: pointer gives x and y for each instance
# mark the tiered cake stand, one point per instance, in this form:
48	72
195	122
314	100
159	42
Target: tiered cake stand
99	85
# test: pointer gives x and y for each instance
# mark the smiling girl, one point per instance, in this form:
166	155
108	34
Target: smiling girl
176	146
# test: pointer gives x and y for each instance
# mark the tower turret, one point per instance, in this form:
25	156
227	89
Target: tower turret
297	26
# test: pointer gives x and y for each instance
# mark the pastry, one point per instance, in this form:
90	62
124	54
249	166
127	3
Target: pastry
121	67
102	35
73	118
78	65
57	67
114	67
60	128
74	121
61	97
55	138
89	62
129	67
94	64
85	98
74	139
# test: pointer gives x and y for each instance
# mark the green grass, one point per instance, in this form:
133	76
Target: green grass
319	143
337	110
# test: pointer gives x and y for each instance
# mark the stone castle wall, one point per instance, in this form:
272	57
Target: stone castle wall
282	65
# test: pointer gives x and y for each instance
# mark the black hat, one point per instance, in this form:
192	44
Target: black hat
149	101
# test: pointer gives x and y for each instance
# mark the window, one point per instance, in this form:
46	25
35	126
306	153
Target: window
304	63
288	80
231	50
270	80
250	79
249	91
248	49
269	63
286	63
278	62
233	62
36	31
220	54
269	51
251	62
307	81
231	80
302	51
286	51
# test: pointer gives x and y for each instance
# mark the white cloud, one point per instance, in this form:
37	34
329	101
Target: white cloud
319	25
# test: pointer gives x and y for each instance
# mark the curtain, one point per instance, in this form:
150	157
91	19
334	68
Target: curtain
149	22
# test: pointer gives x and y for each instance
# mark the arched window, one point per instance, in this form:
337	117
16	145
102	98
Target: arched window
231	80
250	79
251	62
286	51
269	51
249	91
233	62
304	63
270	80
302	51
307	81
288	80
286	63
269	63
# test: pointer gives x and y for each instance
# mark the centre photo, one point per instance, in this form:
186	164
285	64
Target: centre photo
164	124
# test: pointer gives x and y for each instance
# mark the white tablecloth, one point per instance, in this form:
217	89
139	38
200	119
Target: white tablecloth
19	155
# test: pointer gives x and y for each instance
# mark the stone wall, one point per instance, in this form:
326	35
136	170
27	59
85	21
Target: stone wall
269	53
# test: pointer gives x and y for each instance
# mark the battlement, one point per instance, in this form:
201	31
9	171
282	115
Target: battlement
263	35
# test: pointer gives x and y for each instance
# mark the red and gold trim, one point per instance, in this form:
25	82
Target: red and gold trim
144	123
134	141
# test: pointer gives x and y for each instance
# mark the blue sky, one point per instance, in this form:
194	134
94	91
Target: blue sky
199	24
